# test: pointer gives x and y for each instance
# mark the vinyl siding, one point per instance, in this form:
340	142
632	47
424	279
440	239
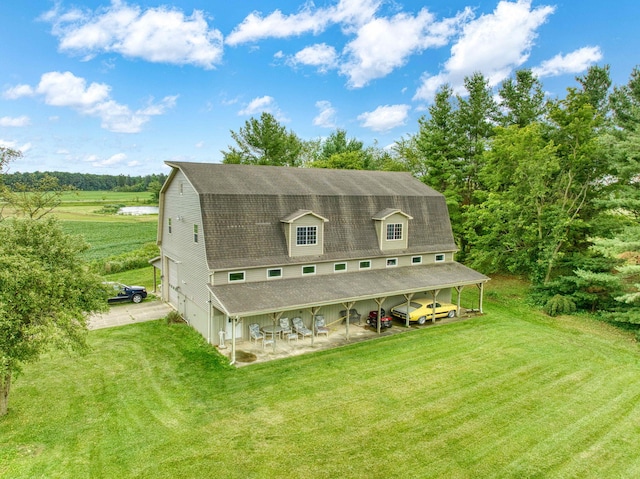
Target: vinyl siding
182	205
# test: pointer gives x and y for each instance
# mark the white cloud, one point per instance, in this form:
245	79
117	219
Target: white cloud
308	20
574	62
15	146
385	118
113	160
259	105
264	104
384	44
321	56
18	91
161	35
67	90
326	118
15	121
494	44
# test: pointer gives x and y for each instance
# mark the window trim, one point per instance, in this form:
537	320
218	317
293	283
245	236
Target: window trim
364	261
440	258
306	235
418	258
341	263
269	270
391	262
397	232
242	273
310	272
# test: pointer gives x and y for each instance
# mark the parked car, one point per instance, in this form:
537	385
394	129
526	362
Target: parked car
122	293
421	310
385	321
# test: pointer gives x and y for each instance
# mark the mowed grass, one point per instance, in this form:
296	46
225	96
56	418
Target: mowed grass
510	394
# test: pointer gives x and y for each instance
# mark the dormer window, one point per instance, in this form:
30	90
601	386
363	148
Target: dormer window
392	226
394	231
304	233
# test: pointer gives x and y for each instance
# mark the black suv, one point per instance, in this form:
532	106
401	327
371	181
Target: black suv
122	293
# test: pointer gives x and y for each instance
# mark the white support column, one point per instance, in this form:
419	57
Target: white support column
459	290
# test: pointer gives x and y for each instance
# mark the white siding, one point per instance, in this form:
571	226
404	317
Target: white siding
185	260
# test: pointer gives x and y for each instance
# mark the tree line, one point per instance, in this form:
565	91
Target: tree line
84	181
545	188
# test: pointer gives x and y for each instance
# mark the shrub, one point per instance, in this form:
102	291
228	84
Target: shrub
174	318
126	261
559	304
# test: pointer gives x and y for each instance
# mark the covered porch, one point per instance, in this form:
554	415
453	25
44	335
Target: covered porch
265	302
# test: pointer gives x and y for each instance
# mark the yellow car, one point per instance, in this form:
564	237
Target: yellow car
421	310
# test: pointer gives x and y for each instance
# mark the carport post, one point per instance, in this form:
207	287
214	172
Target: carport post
435	295
379	302
233	339
275	317
459	290
481	286
314	311
348	306
408	298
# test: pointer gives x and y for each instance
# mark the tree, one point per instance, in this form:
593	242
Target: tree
264	142
336	151
7	155
35	201
46	294
522	99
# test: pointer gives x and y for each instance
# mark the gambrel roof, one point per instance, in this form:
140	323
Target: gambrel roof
243	207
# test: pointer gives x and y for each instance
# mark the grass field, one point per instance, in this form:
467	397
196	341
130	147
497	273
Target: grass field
109	234
512	394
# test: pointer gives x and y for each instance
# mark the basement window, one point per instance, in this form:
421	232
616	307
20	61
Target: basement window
274	273
338	267
309	269
236	277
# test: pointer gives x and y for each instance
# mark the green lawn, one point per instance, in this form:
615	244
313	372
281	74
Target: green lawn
511	394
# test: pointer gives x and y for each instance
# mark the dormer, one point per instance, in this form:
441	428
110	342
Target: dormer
392	228
304	232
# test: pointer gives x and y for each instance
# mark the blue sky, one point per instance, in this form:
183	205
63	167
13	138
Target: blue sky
120	87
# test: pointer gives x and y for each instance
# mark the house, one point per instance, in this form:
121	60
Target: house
248	244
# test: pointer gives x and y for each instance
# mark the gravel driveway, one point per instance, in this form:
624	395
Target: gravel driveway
128	313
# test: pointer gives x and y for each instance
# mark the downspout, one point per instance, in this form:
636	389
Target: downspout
209	319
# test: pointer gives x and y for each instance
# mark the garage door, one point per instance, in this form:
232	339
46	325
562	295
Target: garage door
173	283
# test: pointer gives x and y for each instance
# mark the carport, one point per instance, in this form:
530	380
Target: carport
273	298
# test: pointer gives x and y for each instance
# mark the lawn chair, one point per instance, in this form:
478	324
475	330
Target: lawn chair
321	326
285	324
300	328
256	335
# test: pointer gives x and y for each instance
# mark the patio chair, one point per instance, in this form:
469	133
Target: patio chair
300	328
321	326
285	324
256	335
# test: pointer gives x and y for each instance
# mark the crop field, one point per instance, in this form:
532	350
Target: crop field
91	214
511	394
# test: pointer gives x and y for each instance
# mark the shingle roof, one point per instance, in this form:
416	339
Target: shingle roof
263	297
242	208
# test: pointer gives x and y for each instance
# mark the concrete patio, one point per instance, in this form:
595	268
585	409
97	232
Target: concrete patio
250	352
